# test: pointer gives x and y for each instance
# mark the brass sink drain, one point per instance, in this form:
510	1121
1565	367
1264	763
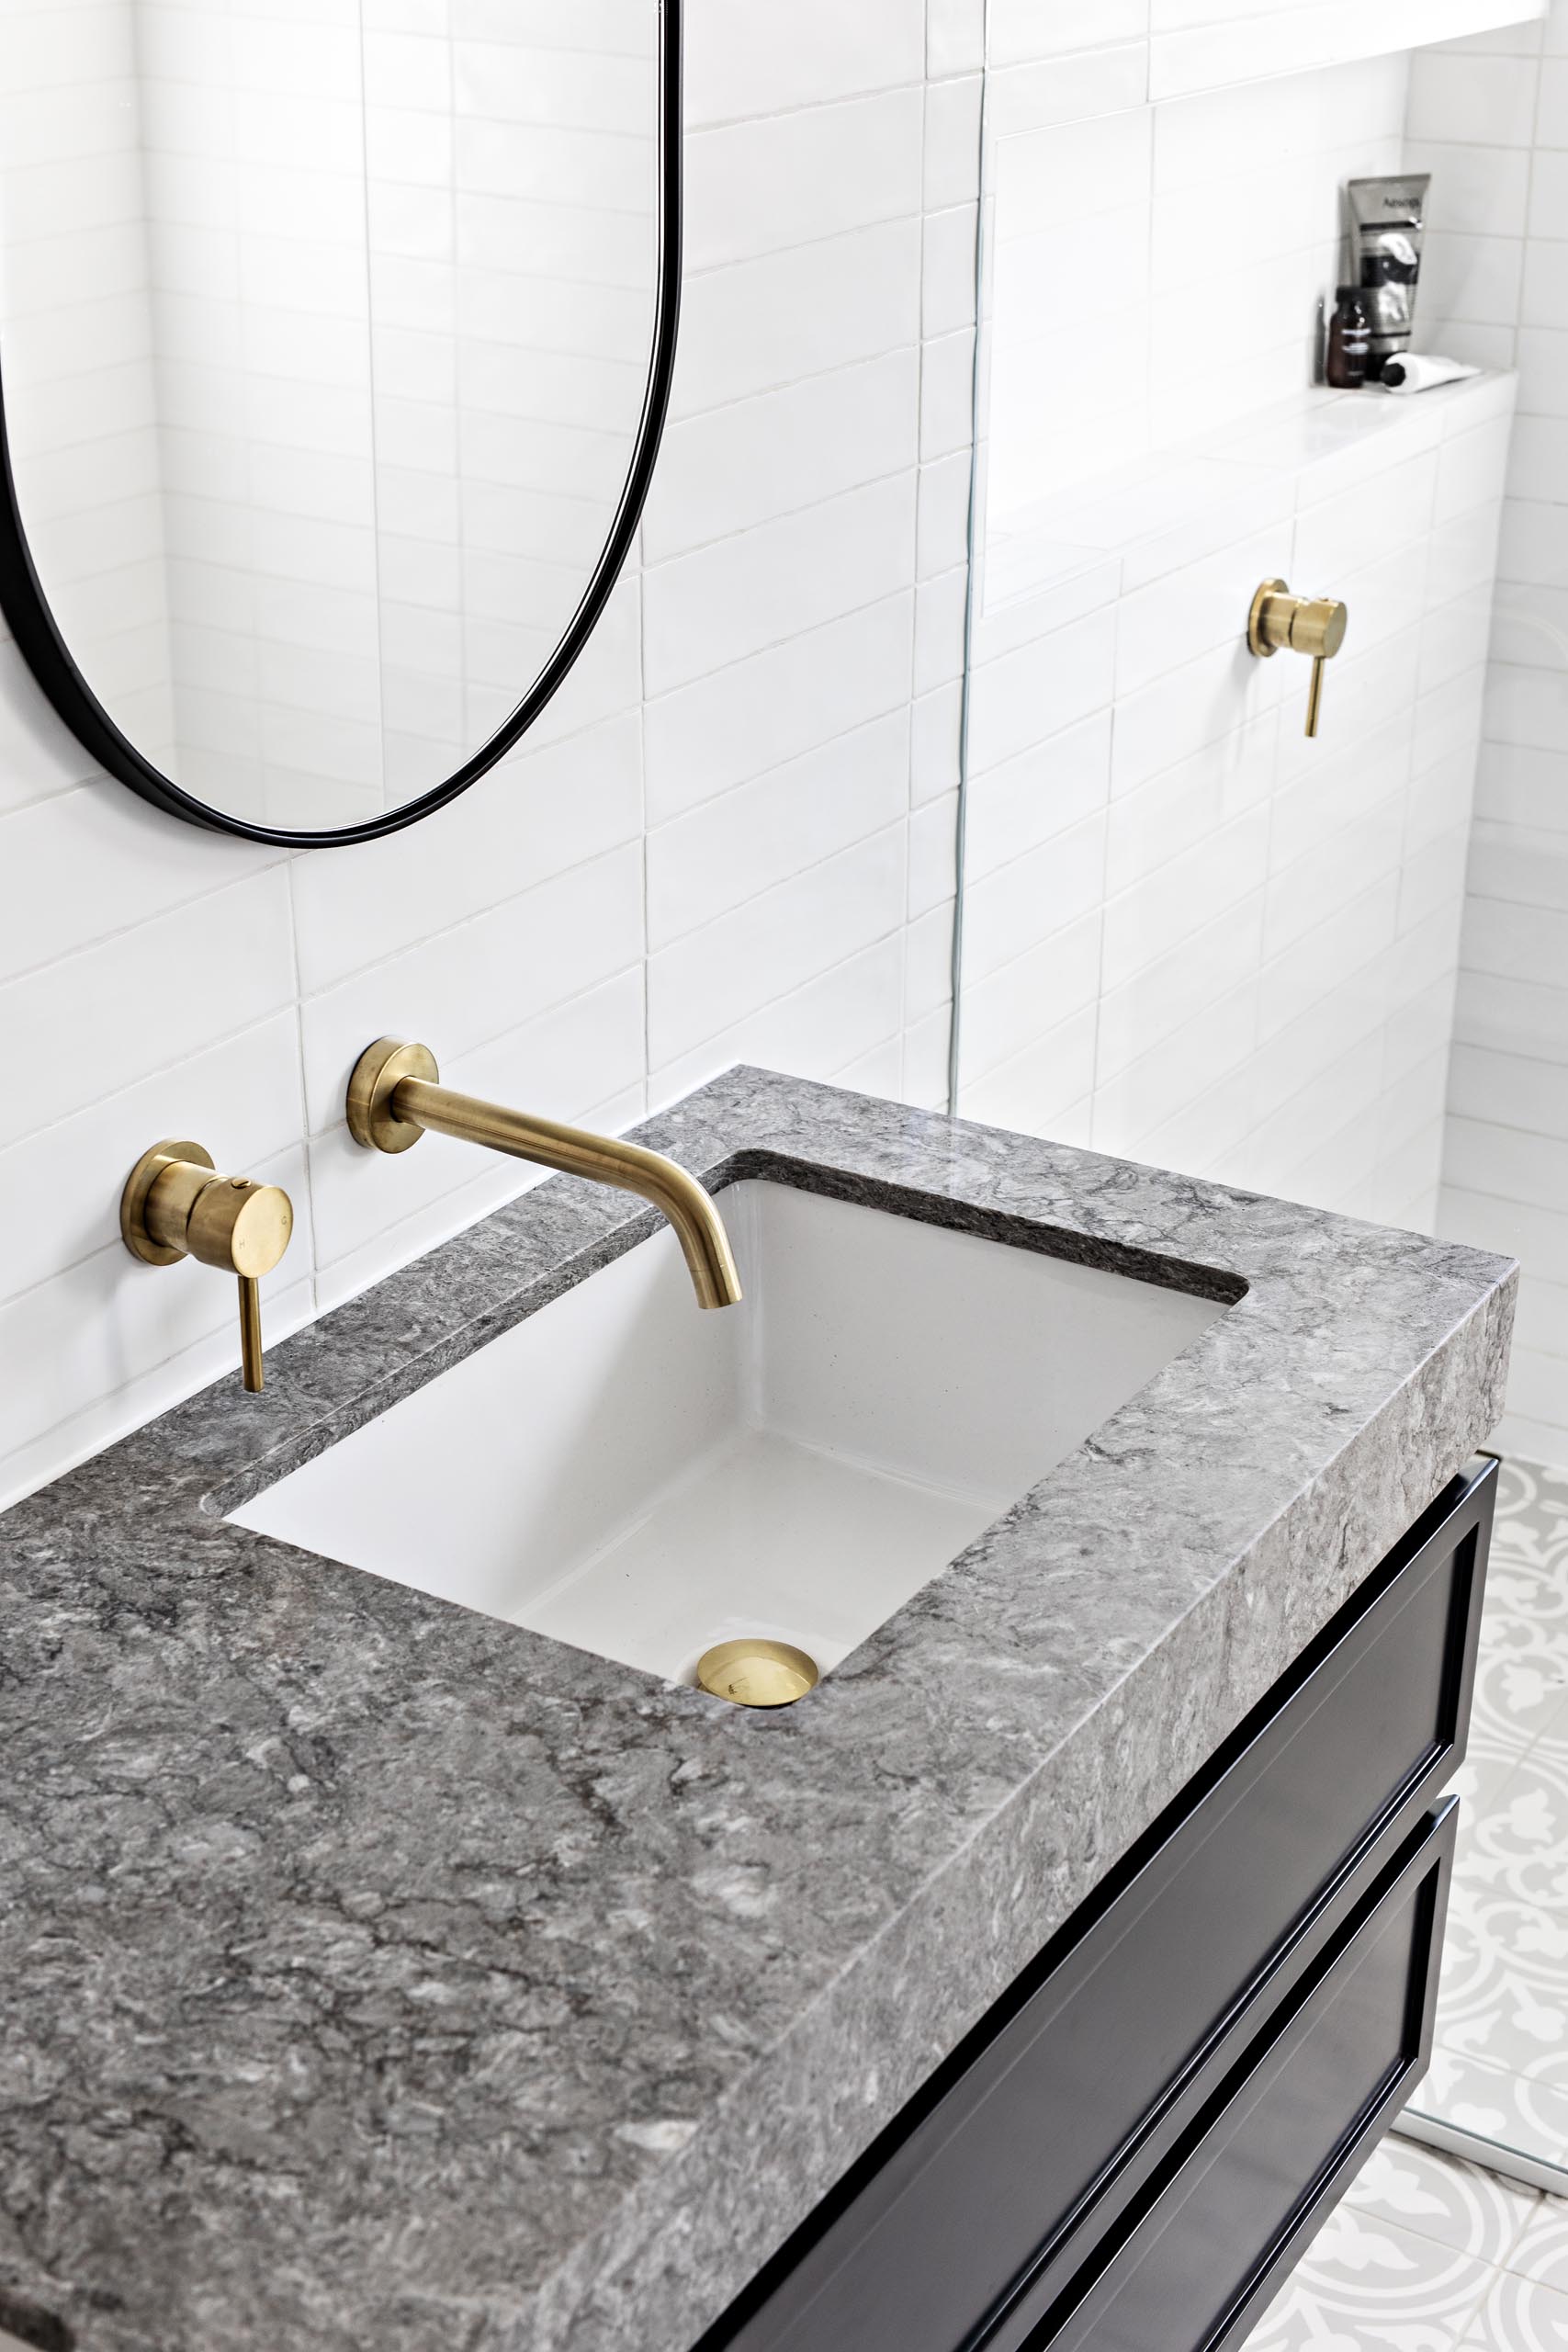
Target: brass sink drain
757	1673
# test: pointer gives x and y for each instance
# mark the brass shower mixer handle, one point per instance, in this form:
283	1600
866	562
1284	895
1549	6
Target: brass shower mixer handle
176	1205
1315	626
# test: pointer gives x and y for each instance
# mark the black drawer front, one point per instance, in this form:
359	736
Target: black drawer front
1301	2109
1055	2108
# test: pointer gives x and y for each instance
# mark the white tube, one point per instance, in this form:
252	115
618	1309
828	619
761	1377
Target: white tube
1417	372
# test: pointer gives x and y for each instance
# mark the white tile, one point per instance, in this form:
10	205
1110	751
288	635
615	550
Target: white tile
1189	611
1161	995
730	849
60	1187
1021	698
948	272
1039	1091
734	468
750	59
1014	807
769	318
1182	896
744	594
540	813
813	1031
1002	1008
80	865
761	185
1044	891
757	714
947	395
468	984
1200	704
953	141
774	943
65	1052
955	37
1480	191
1484	101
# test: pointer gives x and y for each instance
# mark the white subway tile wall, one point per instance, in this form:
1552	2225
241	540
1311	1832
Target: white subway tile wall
1192	936
1489	117
733	835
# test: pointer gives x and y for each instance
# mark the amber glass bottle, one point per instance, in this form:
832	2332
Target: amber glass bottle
1349	340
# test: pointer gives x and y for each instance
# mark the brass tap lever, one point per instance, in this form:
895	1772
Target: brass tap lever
175	1206
394	1097
1314	626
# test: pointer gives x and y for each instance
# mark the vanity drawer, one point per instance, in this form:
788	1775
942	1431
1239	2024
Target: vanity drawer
1286	2135
1047	2124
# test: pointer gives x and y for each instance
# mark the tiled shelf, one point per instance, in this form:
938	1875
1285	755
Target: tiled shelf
1084	56
1210	44
1173	506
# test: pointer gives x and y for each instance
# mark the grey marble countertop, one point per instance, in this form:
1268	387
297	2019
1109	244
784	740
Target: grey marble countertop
376	1974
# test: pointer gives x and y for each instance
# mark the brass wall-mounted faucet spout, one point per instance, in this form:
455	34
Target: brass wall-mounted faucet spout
176	1205
395	1096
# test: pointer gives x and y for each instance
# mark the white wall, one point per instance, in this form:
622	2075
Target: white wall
1191	937
705	852
1490	116
1157	270
733	837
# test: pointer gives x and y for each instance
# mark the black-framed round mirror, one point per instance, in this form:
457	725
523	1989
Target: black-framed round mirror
335	364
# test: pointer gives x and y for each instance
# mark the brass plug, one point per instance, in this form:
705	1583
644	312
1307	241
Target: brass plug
175	1206
1314	626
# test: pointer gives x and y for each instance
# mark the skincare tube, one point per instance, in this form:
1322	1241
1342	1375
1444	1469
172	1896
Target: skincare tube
1421	372
1388	227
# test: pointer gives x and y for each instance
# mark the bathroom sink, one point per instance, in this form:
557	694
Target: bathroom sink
643	1480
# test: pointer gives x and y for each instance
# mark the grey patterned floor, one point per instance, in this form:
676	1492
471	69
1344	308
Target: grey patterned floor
1501	2067
1426	2254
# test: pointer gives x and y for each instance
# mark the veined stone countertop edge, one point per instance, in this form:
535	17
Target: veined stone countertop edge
379	1971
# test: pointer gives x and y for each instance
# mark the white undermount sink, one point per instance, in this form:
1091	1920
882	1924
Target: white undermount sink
641	1479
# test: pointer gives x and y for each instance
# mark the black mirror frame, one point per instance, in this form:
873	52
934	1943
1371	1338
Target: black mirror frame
38	635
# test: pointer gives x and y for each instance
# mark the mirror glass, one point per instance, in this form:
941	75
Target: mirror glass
327	329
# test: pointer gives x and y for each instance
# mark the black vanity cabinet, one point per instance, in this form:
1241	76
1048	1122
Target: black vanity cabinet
1132	2149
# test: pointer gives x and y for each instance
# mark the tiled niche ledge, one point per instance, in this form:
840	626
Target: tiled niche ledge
1123	532
1128	52
1205	45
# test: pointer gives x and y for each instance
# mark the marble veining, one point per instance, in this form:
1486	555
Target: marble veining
379	1974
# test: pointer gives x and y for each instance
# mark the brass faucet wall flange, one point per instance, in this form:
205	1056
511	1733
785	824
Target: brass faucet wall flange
377	1074
1314	626
134	1230
175	1206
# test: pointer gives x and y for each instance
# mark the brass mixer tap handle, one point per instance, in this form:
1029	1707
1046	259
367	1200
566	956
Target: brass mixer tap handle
1314	626
176	1205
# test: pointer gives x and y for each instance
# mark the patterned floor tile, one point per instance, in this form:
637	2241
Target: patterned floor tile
1366	2284
1488	1767
1437	2197
1516	2110
1521	1686
1505	1984
1519	2316
1541	2251
1502	2064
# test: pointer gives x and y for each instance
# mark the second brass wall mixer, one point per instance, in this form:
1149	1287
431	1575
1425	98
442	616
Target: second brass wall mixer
1314	626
